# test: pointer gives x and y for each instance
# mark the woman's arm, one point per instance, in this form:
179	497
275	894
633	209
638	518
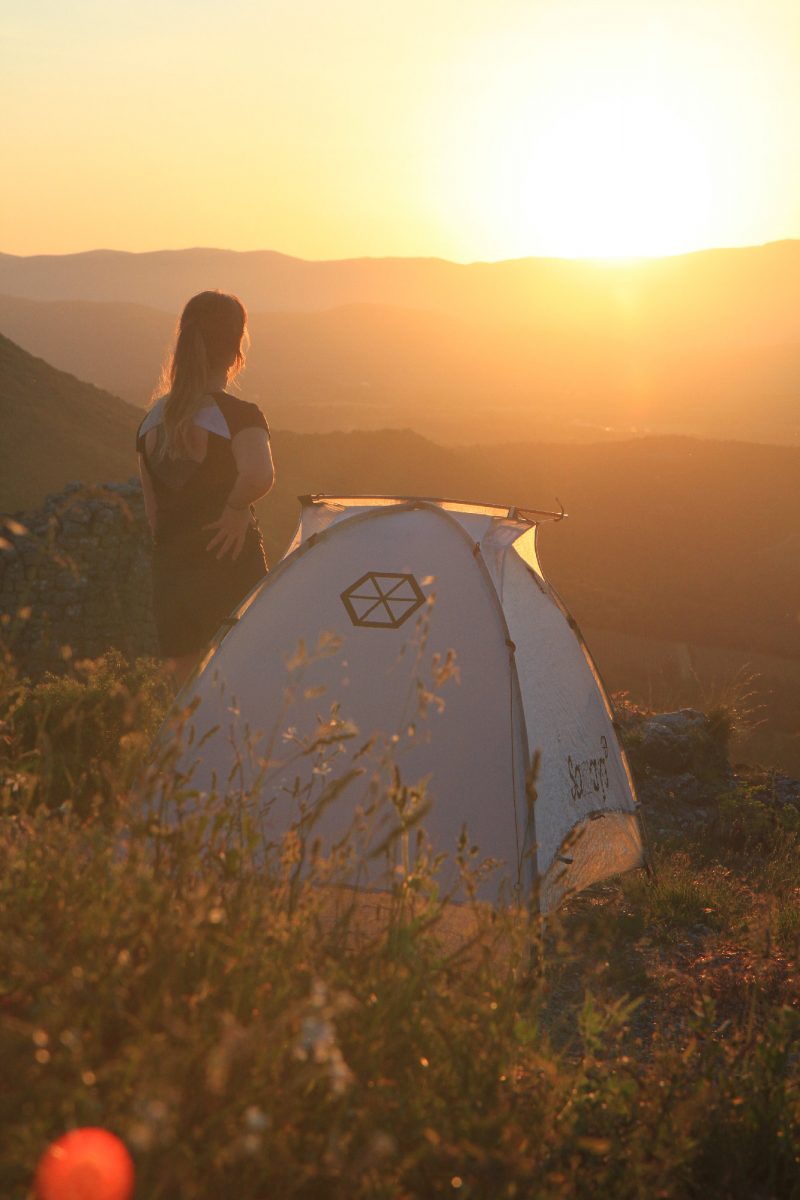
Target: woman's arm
256	475
150	504
253	456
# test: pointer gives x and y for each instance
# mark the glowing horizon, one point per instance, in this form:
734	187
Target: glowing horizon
608	260
473	131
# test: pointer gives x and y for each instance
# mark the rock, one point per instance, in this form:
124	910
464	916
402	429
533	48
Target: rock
684	787
100	531
78	514
682	720
674	743
663	749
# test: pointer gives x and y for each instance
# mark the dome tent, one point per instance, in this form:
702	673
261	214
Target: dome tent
400	594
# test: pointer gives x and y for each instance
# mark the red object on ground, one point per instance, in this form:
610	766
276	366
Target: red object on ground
86	1164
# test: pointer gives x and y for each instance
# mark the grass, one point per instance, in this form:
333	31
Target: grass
248	1037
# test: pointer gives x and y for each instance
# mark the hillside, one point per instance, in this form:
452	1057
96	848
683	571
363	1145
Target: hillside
671	538
658	540
118	347
679	557
453	379
56	428
704	344
743	296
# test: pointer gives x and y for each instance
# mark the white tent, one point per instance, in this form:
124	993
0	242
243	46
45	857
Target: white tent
374	602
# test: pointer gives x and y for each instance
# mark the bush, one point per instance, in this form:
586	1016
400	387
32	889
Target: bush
746	822
81	736
252	1029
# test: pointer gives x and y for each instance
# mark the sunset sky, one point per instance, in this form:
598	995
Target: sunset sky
466	129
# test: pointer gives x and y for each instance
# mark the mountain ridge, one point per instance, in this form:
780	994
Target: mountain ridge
457	379
747	286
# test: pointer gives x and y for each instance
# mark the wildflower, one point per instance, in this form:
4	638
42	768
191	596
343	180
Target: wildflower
317	1039
255	1119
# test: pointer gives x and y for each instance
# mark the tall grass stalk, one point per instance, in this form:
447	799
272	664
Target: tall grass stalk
252	1027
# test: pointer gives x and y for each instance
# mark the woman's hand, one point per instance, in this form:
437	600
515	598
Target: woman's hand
231	529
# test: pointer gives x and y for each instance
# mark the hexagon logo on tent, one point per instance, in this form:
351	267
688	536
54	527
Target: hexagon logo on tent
383	599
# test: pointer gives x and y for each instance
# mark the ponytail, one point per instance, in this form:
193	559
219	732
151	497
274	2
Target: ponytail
210	335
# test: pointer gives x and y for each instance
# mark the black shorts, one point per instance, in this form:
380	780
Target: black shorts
194	593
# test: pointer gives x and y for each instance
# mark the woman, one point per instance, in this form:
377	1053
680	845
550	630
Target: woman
204	457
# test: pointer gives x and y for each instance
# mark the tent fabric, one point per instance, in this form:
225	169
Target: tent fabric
428	627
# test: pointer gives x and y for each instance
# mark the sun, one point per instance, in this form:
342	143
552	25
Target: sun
608	177
602	155
616	177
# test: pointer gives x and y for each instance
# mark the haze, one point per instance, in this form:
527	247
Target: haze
465	129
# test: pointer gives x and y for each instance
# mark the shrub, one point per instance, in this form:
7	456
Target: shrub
80	737
253	1029
746	822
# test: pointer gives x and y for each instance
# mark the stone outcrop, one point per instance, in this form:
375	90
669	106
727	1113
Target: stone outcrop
677	743
75	577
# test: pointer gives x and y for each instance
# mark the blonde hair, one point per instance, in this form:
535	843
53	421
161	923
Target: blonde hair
211	334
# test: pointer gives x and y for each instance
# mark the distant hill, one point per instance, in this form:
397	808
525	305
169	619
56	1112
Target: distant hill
730	297
674	538
118	347
679	557
55	428
452	379
360	366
